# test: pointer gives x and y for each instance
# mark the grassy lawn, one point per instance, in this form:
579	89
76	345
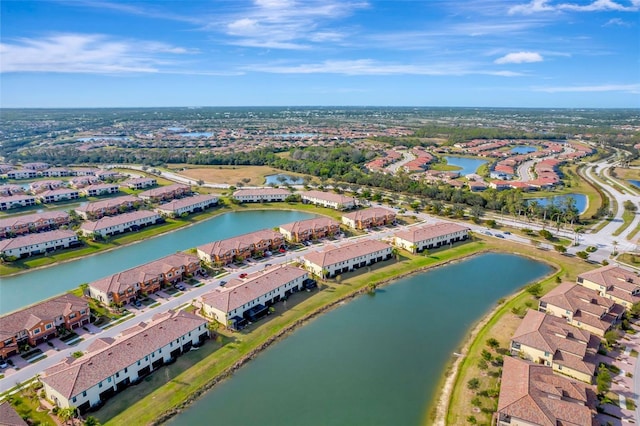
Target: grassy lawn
627	218
179	389
444	167
27	405
629	259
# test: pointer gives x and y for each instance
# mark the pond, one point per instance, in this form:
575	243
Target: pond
523	149
468	165
635	183
376	360
558	200
281	179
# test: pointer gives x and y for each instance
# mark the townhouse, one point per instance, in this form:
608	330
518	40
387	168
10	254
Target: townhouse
613	282
22	174
109	207
582	307
45	185
126	222
112	364
56	172
36	222
261	195
17	201
82	181
334	261
418	238
165	193
241	247
9	189
369	218
140	183
187	205
242	300
100	189
84	171
38	243
106	174
62	194
328	199
310	229
126	286
37	323
36	166
545	339
530	394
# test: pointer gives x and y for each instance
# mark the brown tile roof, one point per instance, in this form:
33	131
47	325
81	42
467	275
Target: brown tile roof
35	238
109	203
186	202
60	191
332	256
9	416
143	273
32	218
163	190
309	224
26	318
73	376
370	213
108	221
239	292
239	243
261	191
531	392
426	232
617	281
328	196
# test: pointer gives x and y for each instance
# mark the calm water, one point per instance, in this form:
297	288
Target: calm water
103	138
21	290
196	135
469	165
374	361
581	200
295	135
635	183
523	149
275	179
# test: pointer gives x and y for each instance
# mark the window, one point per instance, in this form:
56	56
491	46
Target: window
48	326
36	331
109	379
100	384
84	393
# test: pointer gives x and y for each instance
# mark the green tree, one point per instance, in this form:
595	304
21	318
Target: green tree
493	343
91	421
603	380
535	290
560	248
582	255
473	383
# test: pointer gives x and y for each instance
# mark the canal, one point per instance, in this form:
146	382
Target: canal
375	360
31	287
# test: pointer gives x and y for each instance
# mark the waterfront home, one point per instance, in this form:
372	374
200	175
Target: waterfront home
140	183
10	416
82	181
549	340
22	174
56	172
36	166
126	286
310	229
108	207
530	394
126	222
242	300
613	282
100	189
38	243
164	193
261	195
328	199
112	364
334	261
417	238
106	174
62	194
36	222
582	307
369	218
241	247
45	185
10	189
37	323
17	201
187	205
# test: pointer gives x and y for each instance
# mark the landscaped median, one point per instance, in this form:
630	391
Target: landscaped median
237	348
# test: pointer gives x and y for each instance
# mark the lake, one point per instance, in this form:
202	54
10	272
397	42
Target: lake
635	183
196	135
468	165
31	287
523	149
581	200
275	179
376	360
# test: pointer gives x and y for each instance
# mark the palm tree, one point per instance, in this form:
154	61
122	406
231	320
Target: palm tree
615	247
67	414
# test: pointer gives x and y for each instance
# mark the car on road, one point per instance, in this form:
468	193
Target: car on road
487	233
243	275
223	282
507	233
499	235
266	265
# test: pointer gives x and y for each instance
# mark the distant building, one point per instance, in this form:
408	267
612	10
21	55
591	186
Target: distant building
369	218
36	222
261	195
36	166
56	172
165	193
310	229
334	261
100	189
108	207
417	238
22	174
62	194
188	205
240	247
140	183
328	199
17	201
119	224
38	243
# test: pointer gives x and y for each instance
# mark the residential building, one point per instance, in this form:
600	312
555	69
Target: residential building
261	195
417	238
187	205
45	185
369	218
10	416
582	307
165	193
530	394
36	222
100	189
126	286
84	171
62	194
310	229
140	183
37	323
106	174
56	172
109	207
35	166
328	199
613	282
22	174
242	300
126	222
112	364
334	261
241	247
82	181
38	243
10	189
549	340
17	201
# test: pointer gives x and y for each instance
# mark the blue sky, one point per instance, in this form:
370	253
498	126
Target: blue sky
518	53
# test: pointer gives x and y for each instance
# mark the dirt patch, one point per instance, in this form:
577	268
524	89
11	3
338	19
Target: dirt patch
230	175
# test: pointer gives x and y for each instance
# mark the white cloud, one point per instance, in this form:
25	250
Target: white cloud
631	88
536	6
86	53
618	22
519	58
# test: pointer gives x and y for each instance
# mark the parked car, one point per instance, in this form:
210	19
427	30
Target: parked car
267	253
180	287
137	304
282	250
223	282
243	275
3	365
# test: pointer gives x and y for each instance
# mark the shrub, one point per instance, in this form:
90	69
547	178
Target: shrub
473	384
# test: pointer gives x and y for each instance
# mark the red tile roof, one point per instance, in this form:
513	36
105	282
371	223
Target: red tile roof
331	256
426	232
